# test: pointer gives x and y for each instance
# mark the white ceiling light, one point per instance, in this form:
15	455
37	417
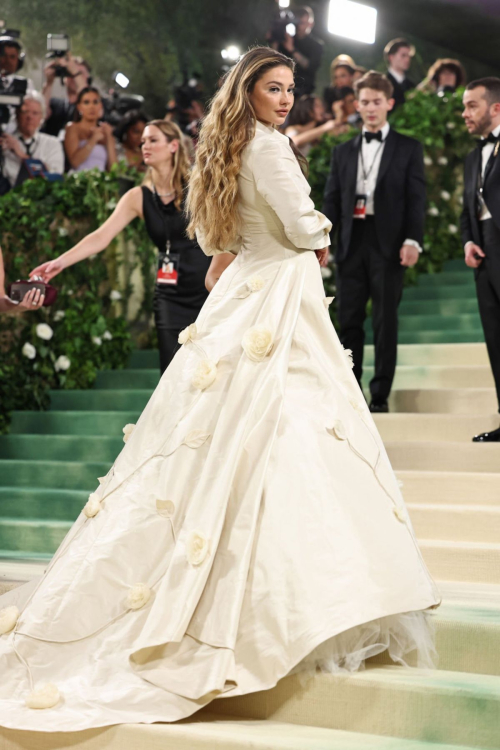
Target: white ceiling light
352	20
284	3
231	53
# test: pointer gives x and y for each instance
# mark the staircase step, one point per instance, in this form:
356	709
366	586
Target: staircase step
425	322
453	291
460	523
35	536
451	707
64	475
433	427
435	337
475	562
436	354
451	487
446	278
439	456
49	504
60	447
438	376
107	400
456	306
444	400
103	423
213	732
138	379
148	359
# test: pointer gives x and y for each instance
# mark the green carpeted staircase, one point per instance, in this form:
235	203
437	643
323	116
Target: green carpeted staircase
443	394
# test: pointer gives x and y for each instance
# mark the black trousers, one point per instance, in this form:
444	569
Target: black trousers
366	273
488	295
168	326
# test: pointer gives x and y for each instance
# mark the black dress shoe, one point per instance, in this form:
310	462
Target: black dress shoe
379	407
487	437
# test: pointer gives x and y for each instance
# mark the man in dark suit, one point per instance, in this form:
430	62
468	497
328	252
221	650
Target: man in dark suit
375	197
398	55
480	221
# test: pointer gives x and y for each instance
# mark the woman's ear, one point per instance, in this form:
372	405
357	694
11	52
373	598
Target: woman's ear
174	146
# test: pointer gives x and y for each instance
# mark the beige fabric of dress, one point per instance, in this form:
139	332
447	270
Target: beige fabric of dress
253	502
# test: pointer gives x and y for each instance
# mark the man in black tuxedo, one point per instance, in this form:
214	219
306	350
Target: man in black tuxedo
398	55
480	221
375	197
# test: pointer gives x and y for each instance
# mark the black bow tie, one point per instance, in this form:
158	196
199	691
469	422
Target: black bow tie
490	139
374	136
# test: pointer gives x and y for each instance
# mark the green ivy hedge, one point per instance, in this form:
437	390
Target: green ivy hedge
64	346
437	123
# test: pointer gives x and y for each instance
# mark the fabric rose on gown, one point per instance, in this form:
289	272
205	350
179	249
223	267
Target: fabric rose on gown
138	596
197	547
8	619
204	374
257	343
127	431
255	284
188	334
46	696
92	506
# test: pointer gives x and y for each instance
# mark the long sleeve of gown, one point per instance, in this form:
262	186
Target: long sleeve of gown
279	180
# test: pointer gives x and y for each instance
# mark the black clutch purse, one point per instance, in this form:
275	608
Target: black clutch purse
18	289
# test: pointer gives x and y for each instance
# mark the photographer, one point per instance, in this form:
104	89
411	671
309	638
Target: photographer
89	143
61	111
305	49
28	143
11	62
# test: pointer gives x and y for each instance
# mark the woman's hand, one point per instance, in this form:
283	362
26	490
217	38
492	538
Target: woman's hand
322	256
48	270
33	300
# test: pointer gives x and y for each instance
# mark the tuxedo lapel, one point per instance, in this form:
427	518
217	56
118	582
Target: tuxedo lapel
352	166
387	155
491	164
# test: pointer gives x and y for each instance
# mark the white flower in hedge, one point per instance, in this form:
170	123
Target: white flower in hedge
97	340
8	619
445	195
255	284
62	363
188	334
63	232
69	292
428	161
46	696
443	161
92	506
29	350
433	211
204	374
127	431
111	204
59	315
451	125
44	331
107	335
326	272
452	228
257	343
115	295
138	596
197	547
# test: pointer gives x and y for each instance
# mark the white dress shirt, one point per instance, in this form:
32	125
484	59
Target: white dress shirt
485	156
370	155
400	77
45	147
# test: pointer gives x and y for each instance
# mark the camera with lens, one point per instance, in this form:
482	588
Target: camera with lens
11	95
284	23
57	47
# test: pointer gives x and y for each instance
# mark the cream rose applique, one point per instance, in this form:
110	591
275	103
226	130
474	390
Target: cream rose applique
46	696
204	374
8	619
165	508
339	430
257	343
254	284
196	438
138	596
357	405
188	334
92	506
127	431
327	301
197	547
348	356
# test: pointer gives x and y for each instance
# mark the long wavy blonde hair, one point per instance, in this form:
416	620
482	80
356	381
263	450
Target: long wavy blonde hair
181	164
212	199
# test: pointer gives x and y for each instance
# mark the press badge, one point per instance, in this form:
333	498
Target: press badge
360	207
168	270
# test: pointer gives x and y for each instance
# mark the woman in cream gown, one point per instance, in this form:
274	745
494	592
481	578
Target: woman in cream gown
252	524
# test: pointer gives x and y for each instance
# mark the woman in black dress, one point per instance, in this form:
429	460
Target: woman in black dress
180	282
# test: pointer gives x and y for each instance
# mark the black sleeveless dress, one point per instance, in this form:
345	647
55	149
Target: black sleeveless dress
182	265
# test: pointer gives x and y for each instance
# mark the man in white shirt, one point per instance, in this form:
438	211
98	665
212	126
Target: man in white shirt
28	143
11	62
480	221
398	55
375	197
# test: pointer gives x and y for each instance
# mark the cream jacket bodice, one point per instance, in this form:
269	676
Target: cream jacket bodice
276	212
